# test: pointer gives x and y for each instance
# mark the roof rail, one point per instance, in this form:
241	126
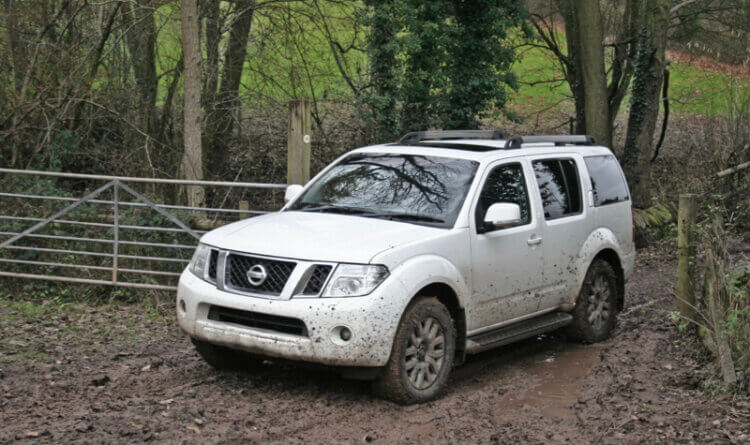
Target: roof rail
416	137
576	139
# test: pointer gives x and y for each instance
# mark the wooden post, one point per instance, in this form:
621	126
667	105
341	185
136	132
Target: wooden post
686	255
716	294
298	145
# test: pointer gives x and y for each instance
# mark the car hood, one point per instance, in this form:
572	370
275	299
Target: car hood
317	236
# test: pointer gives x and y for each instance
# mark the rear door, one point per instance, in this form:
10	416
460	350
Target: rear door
565	224
506	263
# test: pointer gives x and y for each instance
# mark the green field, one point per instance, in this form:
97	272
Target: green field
692	90
290	58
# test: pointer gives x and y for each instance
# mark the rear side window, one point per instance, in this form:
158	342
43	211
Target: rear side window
559	187
606	180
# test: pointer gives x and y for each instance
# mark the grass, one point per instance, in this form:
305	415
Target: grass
692	90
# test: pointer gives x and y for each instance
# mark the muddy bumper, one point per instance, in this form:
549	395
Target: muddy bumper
371	322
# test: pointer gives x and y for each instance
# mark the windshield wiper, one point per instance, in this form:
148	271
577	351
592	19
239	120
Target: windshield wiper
405	216
333	209
370	213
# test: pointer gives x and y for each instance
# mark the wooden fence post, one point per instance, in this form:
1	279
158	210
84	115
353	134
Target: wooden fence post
298	144
686	255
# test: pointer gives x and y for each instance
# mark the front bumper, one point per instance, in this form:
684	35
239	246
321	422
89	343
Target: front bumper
372	319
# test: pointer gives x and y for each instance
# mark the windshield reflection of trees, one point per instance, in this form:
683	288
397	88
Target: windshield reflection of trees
404	183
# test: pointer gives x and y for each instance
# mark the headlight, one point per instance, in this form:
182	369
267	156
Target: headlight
355	280
200	260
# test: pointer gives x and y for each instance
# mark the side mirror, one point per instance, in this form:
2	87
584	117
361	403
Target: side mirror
292	192
503	214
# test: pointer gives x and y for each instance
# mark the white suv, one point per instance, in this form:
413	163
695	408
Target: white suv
397	260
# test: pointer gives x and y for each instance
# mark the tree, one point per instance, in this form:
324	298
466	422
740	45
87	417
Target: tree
590	49
141	41
650	64
382	48
192	163
222	110
634	45
479	63
441	63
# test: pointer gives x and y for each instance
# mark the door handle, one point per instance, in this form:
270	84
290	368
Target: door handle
534	241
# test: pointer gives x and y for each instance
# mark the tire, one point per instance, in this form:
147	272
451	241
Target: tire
596	308
220	357
422	355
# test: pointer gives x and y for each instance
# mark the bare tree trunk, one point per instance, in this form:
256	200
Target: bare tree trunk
573	63
141	40
644	102
18	69
212	36
192	167
221	121
591	40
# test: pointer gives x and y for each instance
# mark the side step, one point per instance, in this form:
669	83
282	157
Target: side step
517	331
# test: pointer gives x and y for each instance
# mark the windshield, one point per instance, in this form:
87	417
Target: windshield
419	189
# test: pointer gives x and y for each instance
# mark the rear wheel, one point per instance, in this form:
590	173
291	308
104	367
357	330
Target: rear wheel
596	308
221	357
422	355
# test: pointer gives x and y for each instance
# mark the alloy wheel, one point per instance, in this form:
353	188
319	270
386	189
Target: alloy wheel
598	309
425	353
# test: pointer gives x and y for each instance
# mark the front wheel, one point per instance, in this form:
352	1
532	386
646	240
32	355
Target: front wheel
422	355
596	308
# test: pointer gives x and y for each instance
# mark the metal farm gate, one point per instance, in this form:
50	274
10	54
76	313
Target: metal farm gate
109	233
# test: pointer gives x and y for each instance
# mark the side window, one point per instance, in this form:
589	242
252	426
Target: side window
607	180
504	184
559	187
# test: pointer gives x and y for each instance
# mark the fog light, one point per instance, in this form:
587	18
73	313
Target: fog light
182	306
345	334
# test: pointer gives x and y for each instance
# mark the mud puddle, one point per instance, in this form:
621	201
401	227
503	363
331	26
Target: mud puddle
546	375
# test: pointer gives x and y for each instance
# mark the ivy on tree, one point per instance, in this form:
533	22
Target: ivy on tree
438	64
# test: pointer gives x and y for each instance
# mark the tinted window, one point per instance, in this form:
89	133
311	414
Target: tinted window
559	187
606	180
504	184
412	188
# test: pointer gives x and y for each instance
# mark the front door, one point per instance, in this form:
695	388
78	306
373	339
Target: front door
506	263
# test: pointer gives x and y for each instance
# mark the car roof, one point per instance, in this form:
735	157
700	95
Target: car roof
482	150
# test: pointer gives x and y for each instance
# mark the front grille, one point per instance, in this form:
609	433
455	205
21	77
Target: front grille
277	273
268	322
317	279
213	259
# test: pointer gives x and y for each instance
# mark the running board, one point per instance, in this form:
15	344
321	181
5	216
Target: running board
517	331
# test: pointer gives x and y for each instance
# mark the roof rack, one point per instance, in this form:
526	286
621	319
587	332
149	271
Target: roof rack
415	137
576	139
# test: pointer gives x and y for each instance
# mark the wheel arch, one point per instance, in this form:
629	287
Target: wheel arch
613	259
448	297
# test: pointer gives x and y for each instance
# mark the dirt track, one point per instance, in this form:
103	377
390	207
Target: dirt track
95	375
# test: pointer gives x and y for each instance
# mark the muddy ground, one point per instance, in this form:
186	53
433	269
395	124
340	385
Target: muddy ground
104	374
